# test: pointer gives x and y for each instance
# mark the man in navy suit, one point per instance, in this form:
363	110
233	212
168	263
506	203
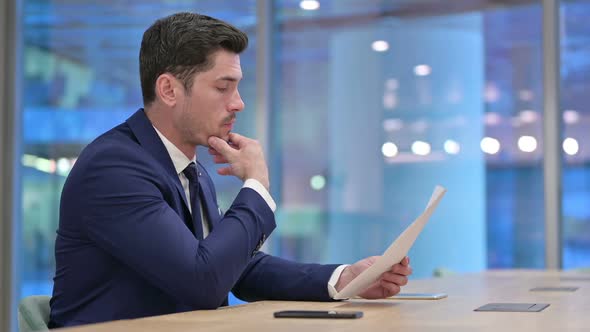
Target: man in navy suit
140	232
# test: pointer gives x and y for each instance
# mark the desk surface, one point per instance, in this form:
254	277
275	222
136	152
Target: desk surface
567	310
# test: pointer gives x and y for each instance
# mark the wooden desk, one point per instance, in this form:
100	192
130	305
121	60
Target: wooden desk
568	310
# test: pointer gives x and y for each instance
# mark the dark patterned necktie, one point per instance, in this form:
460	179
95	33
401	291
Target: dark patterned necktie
193	183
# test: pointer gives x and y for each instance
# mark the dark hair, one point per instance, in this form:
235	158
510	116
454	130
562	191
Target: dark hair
181	44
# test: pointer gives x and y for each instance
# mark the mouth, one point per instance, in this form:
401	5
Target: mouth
229	125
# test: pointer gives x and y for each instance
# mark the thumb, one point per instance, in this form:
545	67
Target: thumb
220	146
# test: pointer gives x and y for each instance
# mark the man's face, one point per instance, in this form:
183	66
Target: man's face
210	107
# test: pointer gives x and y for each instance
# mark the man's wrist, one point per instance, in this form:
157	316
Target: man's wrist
262	191
335	280
265	182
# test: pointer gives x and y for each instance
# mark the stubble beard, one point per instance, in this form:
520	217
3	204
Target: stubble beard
190	129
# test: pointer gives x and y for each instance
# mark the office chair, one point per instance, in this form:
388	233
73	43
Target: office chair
33	313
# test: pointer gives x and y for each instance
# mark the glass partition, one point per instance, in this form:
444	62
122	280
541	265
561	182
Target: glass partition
575	70
377	103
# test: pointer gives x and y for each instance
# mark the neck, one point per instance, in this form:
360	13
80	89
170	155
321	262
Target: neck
161	119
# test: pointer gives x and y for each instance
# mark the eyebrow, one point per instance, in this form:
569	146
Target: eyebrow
228	78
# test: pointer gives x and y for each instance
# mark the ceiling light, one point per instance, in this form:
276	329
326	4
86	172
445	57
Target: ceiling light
309	4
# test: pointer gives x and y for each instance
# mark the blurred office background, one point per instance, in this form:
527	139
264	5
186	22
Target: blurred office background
368	104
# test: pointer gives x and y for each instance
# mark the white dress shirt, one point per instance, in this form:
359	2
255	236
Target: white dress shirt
181	161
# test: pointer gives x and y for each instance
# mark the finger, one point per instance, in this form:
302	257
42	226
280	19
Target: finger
225	171
219	159
389	289
405	261
397	279
221	146
402	269
374	291
212	152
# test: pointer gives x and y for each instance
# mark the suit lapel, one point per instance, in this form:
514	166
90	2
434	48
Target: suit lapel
148	138
151	142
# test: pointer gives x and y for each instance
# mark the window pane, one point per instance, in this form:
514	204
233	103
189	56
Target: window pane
575	70
379	103
81	78
514	108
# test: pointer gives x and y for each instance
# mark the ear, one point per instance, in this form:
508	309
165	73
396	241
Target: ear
167	89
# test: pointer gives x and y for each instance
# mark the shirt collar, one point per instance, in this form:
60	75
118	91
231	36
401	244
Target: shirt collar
179	159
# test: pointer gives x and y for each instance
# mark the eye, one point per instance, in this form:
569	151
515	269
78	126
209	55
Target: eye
221	89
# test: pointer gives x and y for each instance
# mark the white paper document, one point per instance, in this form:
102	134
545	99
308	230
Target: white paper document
395	253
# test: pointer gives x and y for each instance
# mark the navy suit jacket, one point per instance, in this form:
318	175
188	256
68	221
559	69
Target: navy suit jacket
123	249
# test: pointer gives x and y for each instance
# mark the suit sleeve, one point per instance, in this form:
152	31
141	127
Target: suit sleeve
126	215
272	278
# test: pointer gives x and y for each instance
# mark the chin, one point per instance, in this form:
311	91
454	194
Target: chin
225	136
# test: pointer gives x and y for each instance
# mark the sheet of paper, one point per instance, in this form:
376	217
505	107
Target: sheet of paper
395	253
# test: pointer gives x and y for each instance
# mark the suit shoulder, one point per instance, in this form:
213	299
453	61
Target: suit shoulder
114	154
118	142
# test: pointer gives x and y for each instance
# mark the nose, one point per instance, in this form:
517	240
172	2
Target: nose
237	104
